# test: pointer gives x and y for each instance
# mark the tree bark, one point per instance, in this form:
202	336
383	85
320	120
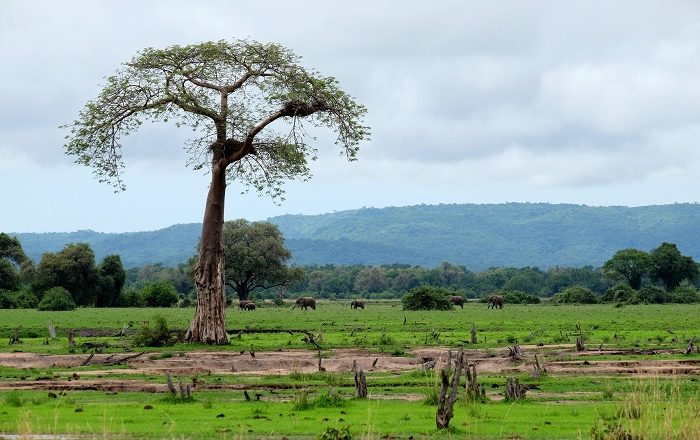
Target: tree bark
209	323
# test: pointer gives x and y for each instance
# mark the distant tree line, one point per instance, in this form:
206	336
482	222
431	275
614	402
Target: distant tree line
257	269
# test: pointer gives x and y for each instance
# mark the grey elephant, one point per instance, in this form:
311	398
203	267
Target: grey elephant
304	302
357	304
495	301
457	300
250	305
242	303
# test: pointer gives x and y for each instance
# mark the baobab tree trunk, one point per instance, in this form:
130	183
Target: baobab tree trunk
209	323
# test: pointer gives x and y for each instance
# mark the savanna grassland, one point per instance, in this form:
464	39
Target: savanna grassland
633	378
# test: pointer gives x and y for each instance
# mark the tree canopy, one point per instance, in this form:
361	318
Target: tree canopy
227	92
630	265
245	102
670	267
256	257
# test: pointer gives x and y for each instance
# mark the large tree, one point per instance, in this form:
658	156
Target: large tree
630	265
670	267
246	102
74	269
256	257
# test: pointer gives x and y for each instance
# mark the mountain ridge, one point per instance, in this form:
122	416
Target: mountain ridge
475	235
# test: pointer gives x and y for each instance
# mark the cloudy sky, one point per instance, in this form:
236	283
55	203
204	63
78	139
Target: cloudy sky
592	102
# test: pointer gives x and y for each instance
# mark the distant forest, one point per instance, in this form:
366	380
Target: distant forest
474	236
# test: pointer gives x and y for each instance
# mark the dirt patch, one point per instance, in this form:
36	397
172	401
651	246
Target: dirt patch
303	361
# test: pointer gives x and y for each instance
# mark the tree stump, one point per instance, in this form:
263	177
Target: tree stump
691	345
514	389
474	390
71	338
473	340
580	341
52	331
515	352
361	384
537	370
446	402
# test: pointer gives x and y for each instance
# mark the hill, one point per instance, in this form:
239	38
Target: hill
477	236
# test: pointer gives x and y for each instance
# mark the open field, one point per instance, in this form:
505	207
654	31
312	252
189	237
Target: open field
633	376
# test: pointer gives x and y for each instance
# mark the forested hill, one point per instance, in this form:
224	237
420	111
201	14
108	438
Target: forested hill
477	236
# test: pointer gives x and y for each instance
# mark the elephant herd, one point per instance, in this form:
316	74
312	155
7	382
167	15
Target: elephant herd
305	302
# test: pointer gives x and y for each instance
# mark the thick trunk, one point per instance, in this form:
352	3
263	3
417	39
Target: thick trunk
209	323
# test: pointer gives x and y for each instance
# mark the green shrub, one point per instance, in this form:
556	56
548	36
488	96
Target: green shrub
20	299
518	297
55	299
160	294
621	293
427	298
157	336
683	295
131	298
653	295
575	294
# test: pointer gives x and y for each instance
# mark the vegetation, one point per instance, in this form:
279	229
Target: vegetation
234	95
475	236
427	298
575	295
57	299
256	257
305	403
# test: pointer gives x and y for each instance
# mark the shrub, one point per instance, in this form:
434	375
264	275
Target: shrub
653	295
157	336
621	293
131	298
575	294
518	297
427	298
160	294
683	295
55	299
21	299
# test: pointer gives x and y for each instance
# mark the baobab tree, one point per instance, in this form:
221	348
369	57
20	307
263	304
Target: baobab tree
246	102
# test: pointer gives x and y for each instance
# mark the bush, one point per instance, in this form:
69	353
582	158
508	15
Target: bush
157	336
683	295
575	294
21	299
55	299
160	294
653	295
427	298
518	297
621	293
131	298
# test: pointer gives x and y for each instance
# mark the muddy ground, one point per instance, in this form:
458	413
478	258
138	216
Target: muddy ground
560	360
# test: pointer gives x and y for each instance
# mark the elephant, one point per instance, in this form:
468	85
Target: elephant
304	302
457	300
250	305
357	304
242	303
495	301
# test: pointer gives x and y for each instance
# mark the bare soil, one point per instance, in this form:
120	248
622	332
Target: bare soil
560	360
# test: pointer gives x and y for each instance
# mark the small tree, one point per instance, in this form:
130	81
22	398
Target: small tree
234	95
256	257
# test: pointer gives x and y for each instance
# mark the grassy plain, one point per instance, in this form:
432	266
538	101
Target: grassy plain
560	404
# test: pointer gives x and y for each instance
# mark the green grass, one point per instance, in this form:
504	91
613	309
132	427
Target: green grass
302	405
380	327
